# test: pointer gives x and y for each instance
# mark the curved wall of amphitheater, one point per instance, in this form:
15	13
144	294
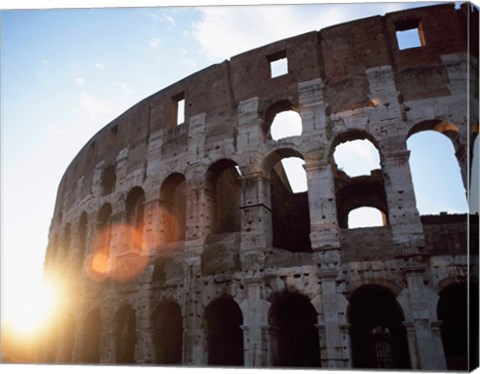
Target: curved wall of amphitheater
182	243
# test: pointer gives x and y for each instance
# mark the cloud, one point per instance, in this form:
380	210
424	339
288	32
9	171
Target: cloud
125	87
169	19
155	43
45	62
100	66
223	32
93	106
79	80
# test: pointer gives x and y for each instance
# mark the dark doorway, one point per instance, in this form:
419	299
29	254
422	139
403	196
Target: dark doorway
224	335
378	336
167	334
452	311
295	337
125	335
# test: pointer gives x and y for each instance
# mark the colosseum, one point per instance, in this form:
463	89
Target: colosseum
183	243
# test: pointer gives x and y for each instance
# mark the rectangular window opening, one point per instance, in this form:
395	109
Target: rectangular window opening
409	35
278	64
179	108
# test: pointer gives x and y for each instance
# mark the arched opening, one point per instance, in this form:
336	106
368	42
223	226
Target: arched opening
366	217
285	124
224	187
458	311
295	340
109	178
135	218
378	336
104	231
125	335
167	334
475	177
91	337
289	201
173	201
359	183
82	238
69	338
224	319
436	176
357	156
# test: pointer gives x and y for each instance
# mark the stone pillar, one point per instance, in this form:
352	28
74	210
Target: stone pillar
324	233
253	329
332	345
407	229
250	132
428	354
256	212
153	225
310	96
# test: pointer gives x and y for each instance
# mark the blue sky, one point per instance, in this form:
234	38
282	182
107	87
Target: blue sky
66	73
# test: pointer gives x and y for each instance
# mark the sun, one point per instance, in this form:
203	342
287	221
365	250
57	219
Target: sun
32	308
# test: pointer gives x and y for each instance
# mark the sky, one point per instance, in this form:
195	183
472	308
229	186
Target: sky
66	73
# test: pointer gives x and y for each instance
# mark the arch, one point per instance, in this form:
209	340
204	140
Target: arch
167	333
366	217
444	127
290	209
134	208
457	308
224	188
284	124
378	338
281	105
109	178
294	337
358	192
352	135
173	201
436	176
69	331
125	337
223	321
92	328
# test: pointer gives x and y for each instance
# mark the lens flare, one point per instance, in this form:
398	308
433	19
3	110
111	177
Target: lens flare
33	308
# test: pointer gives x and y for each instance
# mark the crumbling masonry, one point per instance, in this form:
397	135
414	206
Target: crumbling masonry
183	244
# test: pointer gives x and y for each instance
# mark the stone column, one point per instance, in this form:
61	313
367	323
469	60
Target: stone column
256	216
253	329
407	229
428	354
310	96
330	334
324	232
153	225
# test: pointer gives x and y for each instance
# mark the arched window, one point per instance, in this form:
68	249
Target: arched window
224	186
295	340
173	201
458	322
125	335
359	184
436	176
378	336
108	181
91	337
286	124
168	334
135	218
289	200
223	319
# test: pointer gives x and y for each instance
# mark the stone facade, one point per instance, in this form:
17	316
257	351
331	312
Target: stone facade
181	243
